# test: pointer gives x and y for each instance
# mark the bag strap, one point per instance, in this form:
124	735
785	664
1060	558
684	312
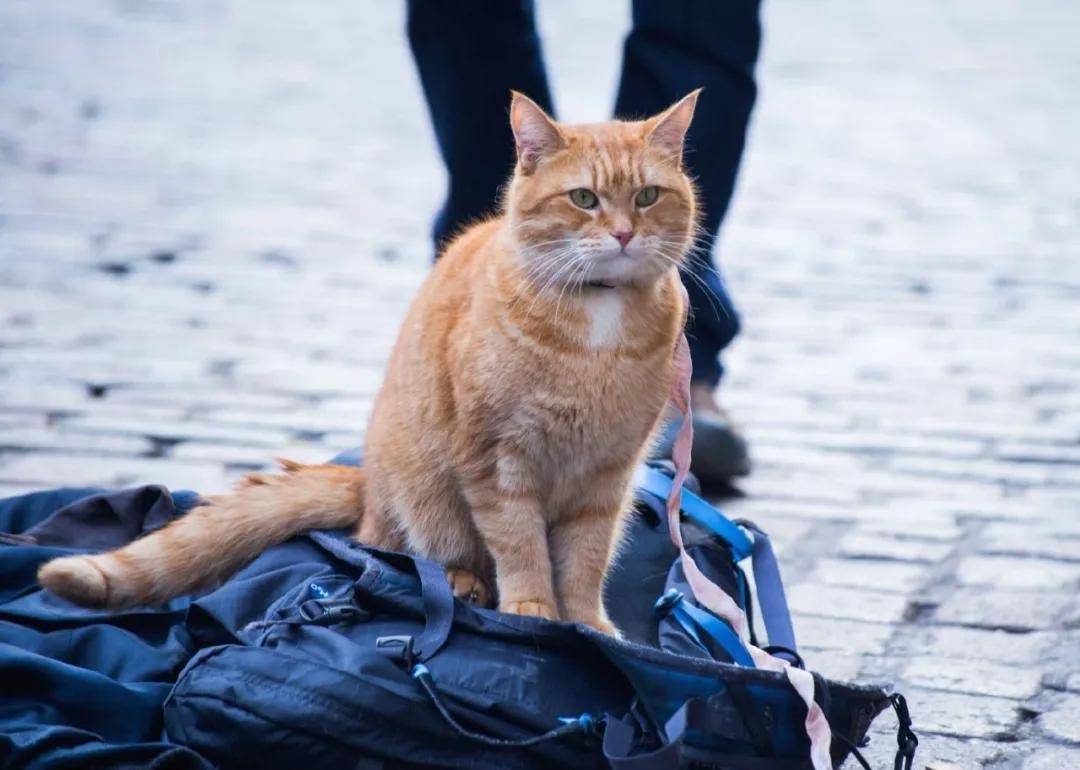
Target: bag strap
694	620
438	619
620	737
771	599
658	484
438	609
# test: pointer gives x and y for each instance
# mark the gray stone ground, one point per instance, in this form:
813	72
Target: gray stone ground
212	216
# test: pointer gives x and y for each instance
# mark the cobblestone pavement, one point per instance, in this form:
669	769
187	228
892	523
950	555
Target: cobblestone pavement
212	218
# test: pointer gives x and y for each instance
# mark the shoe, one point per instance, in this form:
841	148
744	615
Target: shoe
719	453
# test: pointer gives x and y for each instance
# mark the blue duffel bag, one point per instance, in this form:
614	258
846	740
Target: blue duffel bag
366	660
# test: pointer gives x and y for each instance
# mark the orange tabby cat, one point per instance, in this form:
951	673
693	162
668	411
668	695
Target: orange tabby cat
528	376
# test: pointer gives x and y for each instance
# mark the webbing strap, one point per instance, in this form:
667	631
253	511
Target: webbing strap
695	509
438	609
772	600
692	618
619	742
710	595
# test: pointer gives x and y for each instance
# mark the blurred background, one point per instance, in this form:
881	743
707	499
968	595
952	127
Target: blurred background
214	214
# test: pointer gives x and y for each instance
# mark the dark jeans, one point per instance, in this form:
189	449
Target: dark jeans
471	53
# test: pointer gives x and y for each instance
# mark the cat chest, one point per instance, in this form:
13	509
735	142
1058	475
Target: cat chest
594	405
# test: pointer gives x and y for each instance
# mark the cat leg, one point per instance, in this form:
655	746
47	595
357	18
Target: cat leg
508	513
582	545
431	520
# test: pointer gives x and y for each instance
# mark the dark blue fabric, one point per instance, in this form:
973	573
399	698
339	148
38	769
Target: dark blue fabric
471	54
263	671
83	688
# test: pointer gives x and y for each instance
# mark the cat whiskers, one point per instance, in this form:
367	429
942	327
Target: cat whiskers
579	261
685	270
562	269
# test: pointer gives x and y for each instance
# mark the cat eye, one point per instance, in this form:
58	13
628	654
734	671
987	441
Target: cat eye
647	196
583	198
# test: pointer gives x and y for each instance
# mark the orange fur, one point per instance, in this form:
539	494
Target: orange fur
528	376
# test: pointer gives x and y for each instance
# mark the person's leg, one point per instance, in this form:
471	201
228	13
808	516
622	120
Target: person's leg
674	47
470	54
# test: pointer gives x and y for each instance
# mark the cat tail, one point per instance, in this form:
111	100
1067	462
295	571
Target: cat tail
214	539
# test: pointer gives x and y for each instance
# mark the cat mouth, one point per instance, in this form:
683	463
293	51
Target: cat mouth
613	270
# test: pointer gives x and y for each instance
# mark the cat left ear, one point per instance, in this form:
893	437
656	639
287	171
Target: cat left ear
535	134
668	129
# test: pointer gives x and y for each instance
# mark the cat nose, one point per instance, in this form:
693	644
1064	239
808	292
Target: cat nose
623	236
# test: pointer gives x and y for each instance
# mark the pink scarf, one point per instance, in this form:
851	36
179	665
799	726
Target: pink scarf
711	596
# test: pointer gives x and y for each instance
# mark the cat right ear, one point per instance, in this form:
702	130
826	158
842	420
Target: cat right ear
535	134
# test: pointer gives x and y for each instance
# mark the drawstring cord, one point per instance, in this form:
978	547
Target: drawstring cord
582	725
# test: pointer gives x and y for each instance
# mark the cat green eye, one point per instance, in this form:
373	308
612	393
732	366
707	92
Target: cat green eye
584	199
647	196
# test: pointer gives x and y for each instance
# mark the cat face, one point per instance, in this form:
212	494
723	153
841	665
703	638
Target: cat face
608	203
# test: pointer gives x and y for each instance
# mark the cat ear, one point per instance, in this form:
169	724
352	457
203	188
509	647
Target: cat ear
535	134
668	129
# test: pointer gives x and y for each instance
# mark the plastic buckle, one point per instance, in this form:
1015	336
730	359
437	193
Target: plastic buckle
311	610
399	648
664	604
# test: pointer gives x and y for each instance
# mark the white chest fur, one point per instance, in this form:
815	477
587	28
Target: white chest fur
605	309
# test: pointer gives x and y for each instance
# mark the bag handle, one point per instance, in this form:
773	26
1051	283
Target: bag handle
438	609
771	599
438	618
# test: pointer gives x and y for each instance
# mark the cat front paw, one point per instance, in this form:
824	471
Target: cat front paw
468	587
534	607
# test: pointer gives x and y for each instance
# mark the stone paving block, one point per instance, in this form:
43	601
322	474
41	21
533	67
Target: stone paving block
1063	719
1054	540
963	716
891	576
227	454
903	517
948	468
934	751
1052	758
248	457
973	676
841	667
760	507
91	470
1015	610
1008	572
47	439
858	544
1022	649
177	430
832	634
303	420
849	603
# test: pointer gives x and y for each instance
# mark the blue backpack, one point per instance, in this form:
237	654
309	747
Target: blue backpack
366	660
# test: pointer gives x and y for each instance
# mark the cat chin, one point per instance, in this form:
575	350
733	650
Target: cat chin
624	270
